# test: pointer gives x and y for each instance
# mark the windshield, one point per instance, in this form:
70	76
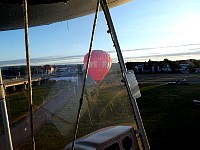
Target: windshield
59	54
159	42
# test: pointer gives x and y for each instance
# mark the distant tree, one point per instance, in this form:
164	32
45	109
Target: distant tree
150	65
156	68
145	66
22	70
11	71
191	69
172	65
166	60
129	66
196	63
176	66
33	70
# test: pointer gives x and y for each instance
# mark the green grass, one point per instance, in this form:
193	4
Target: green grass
115	110
149	87
18	103
107	110
170	118
49	138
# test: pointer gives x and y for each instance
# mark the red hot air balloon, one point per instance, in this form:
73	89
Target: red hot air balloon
99	66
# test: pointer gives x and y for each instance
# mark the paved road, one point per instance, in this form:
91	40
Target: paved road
21	130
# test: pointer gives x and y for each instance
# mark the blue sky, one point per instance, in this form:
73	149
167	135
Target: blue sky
139	24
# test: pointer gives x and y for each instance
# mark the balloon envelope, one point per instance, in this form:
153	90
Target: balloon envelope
99	66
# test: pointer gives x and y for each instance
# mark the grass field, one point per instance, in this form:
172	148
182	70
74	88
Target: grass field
106	110
170	118
18	105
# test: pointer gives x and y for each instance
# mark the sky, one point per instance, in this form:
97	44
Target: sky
155	30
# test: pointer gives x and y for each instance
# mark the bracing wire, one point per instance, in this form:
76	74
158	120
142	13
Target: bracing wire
28	71
86	72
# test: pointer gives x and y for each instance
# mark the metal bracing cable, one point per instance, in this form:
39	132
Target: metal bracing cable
28	70
86	72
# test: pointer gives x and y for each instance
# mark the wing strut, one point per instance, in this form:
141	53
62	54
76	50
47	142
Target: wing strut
28	71
8	138
123	69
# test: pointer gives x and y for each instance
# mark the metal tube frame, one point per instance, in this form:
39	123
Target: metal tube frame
4	111
123	69
28	71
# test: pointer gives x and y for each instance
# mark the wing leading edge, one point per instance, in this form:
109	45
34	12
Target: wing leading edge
45	12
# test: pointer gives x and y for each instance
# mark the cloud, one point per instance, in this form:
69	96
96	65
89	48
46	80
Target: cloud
189	51
45	60
193	54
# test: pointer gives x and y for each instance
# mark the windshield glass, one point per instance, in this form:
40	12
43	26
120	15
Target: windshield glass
59	54
159	42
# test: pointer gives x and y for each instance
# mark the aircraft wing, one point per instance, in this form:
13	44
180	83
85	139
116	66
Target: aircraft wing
43	12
